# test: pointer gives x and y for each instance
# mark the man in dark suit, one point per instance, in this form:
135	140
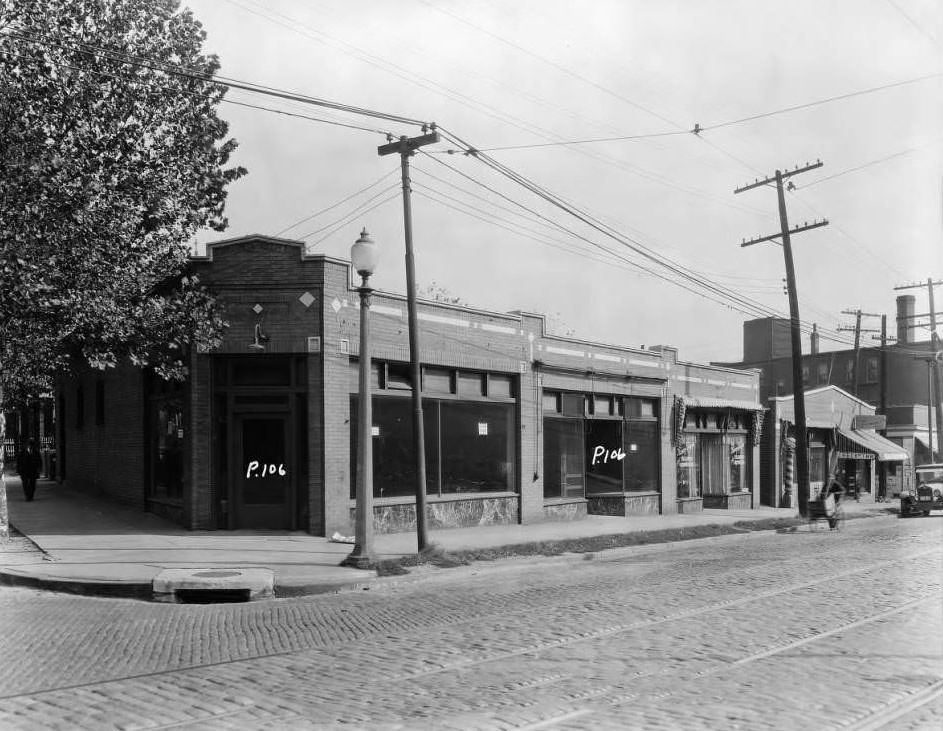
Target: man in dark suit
28	464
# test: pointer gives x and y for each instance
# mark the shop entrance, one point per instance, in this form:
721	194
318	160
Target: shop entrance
264	465
604	456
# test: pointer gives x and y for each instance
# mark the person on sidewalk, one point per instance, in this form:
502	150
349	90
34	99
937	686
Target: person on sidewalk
29	463
833	495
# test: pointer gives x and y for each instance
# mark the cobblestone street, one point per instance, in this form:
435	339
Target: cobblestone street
777	631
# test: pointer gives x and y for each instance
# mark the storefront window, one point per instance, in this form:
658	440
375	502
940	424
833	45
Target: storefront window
737	455
394	463
689	482
712	458
600	454
472	441
818	467
641	456
477	446
563	458
168	450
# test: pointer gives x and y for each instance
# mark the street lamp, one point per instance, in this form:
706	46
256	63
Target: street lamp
363	257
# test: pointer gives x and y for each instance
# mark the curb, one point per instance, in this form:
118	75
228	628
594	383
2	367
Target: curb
145	590
113	589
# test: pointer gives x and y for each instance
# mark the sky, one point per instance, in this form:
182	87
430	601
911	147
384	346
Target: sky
771	85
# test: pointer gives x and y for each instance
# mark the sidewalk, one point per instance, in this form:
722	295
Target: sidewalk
93	546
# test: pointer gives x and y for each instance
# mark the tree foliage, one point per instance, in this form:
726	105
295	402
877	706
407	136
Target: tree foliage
437	293
111	159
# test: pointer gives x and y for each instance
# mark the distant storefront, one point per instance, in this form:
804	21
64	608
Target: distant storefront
715	442
520	426
842	441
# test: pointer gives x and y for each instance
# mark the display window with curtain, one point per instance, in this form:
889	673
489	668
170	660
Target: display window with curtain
713	457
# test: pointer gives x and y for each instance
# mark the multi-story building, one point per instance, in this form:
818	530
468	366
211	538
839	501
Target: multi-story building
844	388
901	392
520	425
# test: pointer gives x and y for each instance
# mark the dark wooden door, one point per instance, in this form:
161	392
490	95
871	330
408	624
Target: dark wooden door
264	484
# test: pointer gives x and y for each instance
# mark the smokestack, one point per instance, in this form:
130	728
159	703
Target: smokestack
905	318
815	339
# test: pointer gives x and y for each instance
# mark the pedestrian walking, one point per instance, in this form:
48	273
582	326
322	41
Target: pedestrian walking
832	496
28	464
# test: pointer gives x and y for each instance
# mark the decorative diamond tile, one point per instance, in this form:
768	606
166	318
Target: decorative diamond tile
306	299
257	309
335	304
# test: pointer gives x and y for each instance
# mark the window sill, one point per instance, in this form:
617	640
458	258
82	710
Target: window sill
625	493
563	500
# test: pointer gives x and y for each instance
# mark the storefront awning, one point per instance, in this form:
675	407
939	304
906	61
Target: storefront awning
885	449
708	402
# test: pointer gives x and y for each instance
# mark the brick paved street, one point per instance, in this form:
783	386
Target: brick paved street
777	631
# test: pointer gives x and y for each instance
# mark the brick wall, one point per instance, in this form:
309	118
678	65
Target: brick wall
106	458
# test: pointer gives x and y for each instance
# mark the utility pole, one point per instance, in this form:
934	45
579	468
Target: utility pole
929	360
406	147
857	328
798	392
936	364
884	338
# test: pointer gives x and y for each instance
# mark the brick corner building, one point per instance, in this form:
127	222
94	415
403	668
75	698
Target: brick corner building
520	425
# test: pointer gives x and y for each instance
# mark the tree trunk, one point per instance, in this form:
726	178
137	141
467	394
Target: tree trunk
4	517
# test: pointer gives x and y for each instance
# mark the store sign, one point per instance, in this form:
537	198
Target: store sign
869	421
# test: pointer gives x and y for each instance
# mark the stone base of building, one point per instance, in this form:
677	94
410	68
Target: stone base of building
690	505
620	504
461	513
735	501
565	509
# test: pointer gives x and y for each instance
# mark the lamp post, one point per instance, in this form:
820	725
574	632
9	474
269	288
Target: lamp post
363	257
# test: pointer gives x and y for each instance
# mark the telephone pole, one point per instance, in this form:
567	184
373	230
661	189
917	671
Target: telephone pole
936	364
798	394
405	147
857	328
884	338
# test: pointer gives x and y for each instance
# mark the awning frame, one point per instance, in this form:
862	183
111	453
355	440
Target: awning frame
883	449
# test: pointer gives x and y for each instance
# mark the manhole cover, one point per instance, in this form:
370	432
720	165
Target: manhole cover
217	574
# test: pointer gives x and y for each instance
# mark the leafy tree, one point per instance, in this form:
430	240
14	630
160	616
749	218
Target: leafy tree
437	293
112	156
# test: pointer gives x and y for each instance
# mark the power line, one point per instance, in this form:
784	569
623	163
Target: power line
576	142
338	203
914	23
696	280
182	72
559	67
394	186
864	165
341	223
818	102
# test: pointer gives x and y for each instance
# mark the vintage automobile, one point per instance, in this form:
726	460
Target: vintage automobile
927	495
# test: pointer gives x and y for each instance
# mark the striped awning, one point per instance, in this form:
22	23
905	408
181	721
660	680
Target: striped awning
884	449
709	402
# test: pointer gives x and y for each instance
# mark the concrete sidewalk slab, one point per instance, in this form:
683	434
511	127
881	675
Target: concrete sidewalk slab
86	543
90	545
